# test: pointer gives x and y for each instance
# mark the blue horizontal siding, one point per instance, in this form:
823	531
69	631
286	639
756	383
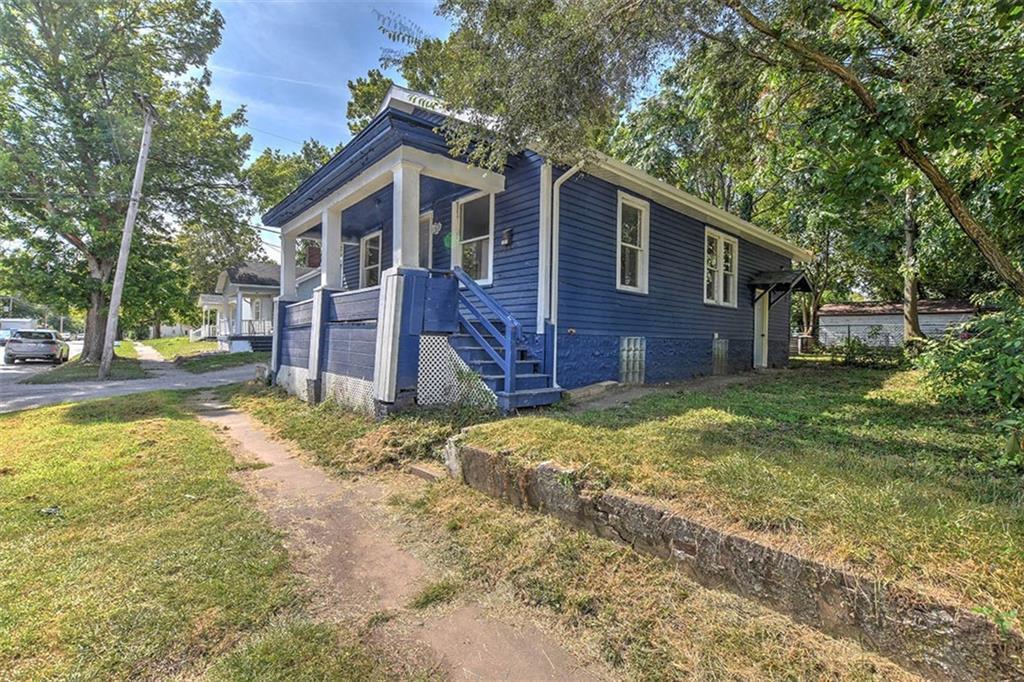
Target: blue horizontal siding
673	310
354	306
350	349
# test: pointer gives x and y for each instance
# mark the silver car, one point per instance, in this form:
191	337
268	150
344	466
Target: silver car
36	344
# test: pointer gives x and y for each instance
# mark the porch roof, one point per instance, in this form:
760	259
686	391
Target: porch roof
390	130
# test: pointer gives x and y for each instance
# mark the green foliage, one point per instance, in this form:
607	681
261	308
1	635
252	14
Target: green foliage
854	352
980	366
69	135
273	174
749	81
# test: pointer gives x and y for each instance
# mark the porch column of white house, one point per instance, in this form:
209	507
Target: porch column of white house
224	314
330	247
288	288
238	312
405	217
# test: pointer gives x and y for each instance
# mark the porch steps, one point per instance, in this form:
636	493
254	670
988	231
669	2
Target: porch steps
533	387
262	344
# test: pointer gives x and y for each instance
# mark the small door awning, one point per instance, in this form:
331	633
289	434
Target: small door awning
777	284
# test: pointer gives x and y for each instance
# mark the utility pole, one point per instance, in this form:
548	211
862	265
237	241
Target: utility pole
126	237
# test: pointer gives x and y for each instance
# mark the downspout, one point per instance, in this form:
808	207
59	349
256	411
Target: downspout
553	280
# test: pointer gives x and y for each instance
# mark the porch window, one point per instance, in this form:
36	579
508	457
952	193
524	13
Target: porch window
720	255
476	237
369	260
426	241
633	239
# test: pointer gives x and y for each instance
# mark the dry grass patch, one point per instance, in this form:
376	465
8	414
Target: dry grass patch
640	614
348	442
853	467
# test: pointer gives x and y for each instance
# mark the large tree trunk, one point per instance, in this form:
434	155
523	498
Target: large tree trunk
156	328
911	323
96	316
95	327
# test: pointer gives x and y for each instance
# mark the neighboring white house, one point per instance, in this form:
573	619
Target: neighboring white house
240	314
881	323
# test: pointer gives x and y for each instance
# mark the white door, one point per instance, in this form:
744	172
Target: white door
761	330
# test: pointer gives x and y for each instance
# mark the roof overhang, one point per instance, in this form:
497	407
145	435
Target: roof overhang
777	284
617	172
379	176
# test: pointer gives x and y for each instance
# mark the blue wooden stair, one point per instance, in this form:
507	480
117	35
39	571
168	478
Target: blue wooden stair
490	342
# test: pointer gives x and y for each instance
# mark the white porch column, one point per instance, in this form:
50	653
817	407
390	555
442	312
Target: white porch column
224	314
330	248
288	289
238	312
405	219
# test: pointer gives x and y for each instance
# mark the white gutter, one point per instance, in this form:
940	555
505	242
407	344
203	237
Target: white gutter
553	291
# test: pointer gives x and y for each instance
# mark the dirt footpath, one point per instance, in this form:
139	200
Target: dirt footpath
341	541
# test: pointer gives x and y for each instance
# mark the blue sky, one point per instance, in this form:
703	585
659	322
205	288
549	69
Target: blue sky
288	61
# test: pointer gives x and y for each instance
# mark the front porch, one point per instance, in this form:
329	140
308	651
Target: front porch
240	319
402	314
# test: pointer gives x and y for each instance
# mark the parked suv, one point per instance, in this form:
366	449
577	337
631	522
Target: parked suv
36	344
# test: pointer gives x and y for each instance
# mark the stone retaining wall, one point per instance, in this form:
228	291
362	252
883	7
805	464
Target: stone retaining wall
933	639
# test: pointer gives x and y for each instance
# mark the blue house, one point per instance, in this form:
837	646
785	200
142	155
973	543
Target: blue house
441	282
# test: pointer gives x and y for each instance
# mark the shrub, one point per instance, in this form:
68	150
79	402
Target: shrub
854	352
979	365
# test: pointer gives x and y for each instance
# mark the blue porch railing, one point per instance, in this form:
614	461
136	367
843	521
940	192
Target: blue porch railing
509	337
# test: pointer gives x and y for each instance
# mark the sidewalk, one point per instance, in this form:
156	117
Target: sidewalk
164	375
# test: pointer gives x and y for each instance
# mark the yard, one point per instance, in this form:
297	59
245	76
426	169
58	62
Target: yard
175	346
855	467
635	613
125	366
128	551
201	356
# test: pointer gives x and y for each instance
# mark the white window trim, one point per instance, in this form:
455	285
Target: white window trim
720	239
645	241
429	217
362	256
457	234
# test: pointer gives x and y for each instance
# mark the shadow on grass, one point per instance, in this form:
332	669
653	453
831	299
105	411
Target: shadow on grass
128	408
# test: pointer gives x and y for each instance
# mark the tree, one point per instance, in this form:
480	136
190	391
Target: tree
273	174
550	75
69	128
421	68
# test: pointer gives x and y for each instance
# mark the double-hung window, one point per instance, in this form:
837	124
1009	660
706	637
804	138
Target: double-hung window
475	251
721	253
369	260
633	238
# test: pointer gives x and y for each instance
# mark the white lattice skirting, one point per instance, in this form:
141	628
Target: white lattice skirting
444	379
293	380
353	393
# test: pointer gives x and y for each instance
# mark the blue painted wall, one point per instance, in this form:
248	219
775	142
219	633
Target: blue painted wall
514	283
678	325
350	337
295	334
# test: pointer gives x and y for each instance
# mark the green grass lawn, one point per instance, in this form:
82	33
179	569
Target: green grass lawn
124	366
208	363
128	551
174	346
855	467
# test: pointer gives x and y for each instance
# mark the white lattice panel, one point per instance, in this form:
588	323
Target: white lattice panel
444	379
356	394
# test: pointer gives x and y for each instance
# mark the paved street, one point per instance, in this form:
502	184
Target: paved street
163	375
